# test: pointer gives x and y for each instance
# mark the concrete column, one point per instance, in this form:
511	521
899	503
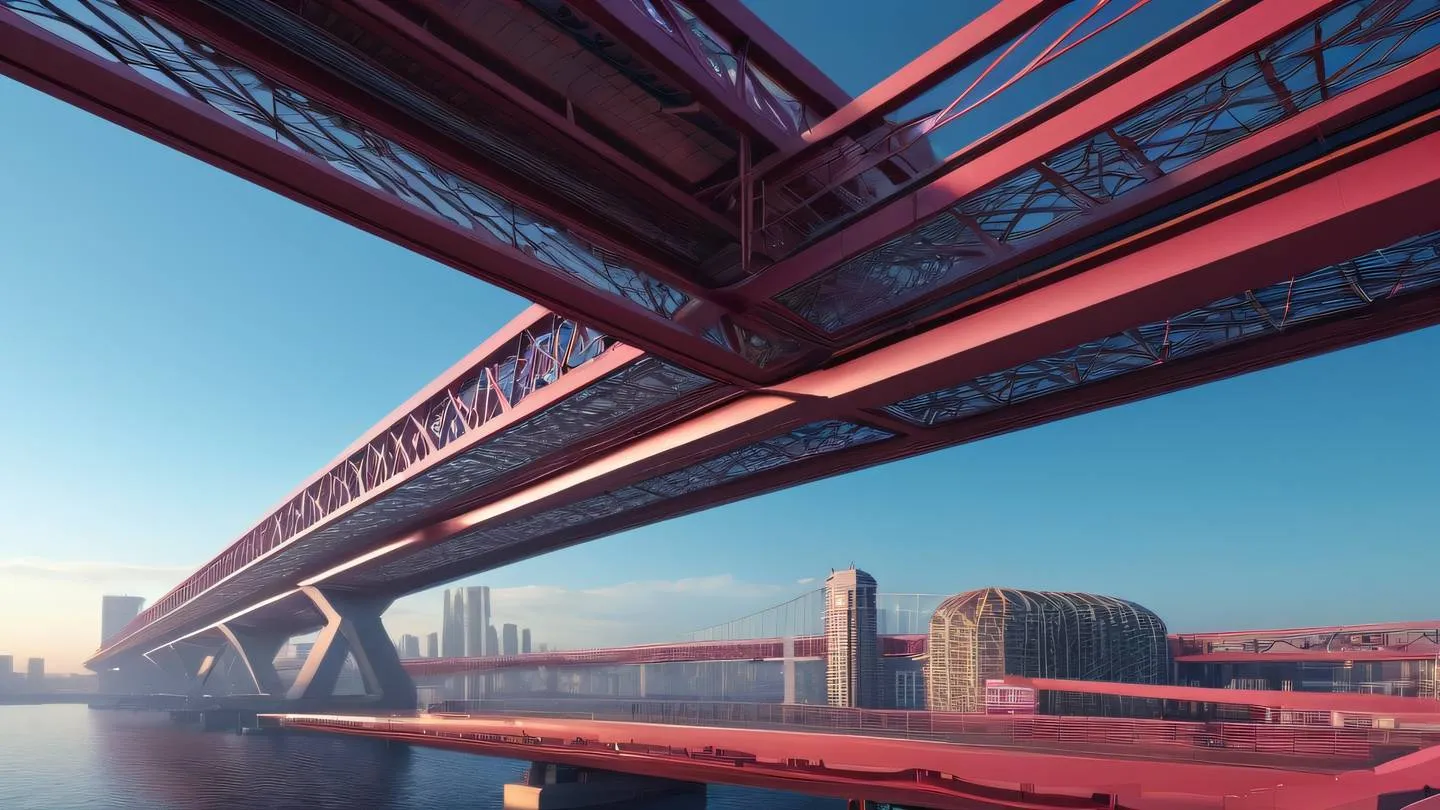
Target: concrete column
256	649
352	626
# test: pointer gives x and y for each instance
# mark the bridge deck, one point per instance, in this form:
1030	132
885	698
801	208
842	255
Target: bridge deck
923	771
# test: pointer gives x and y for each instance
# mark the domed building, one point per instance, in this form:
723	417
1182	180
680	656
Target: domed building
987	634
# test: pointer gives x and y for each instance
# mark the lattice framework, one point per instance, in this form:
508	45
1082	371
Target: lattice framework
988	634
1353	44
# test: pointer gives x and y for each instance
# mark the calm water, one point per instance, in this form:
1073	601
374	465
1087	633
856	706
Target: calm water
64	757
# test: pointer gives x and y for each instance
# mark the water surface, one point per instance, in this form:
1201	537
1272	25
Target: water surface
73	758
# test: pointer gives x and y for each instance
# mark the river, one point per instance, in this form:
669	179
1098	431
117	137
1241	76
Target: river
73	758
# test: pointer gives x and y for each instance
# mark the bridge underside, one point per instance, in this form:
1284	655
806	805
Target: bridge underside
803	288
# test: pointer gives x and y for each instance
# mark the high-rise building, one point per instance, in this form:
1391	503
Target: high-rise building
525	640
35	674
409	646
852	669
7	672
432	645
463	633
510	640
492	641
115	613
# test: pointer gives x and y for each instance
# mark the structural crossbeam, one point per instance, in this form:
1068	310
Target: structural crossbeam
1183	114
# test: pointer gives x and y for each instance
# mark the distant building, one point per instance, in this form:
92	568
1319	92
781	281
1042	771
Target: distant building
510	640
409	646
543	647
492	641
7	672
981	636
35	674
525	640
852	669
465	629
115	613
432	645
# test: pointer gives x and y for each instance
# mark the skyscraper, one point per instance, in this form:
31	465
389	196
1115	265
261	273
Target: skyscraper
115	613
35	674
7	672
467	617
432	645
852	669
510	640
492	641
409	646
525	640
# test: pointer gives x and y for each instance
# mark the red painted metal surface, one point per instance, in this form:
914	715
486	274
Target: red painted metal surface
1273	699
1116	146
1294	228
885	405
1129	767
343	166
678	652
1286	258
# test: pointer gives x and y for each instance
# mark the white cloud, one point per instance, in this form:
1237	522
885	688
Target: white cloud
805	581
627	613
91	572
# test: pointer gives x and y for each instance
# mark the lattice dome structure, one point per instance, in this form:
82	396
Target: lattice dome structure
987	634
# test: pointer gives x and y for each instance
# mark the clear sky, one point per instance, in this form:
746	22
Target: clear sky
178	349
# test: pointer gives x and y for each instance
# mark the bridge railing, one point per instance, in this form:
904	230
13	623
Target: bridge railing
1170	738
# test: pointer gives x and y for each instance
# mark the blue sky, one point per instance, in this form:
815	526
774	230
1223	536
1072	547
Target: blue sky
178	349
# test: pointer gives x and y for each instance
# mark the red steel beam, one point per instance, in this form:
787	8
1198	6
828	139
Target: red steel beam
427	49
1368	196
263	541
52	65
1169	63
1388	705
977	39
1294	655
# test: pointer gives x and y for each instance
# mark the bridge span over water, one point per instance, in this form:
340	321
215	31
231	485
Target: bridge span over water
939	760
747	279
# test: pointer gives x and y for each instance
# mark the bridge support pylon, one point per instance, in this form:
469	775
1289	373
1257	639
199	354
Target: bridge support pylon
561	787
353	627
191	662
257	649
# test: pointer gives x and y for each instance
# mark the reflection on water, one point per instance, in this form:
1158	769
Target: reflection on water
72	758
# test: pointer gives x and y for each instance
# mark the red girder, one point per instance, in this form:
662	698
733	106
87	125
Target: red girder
1382	705
1263	235
1287	225
674	653
405	200
538	362
1004	21
1037	147
1002	761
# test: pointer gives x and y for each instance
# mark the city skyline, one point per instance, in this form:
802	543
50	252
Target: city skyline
1246	468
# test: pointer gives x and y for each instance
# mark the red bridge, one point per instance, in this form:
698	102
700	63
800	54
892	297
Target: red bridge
964	761
747	280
